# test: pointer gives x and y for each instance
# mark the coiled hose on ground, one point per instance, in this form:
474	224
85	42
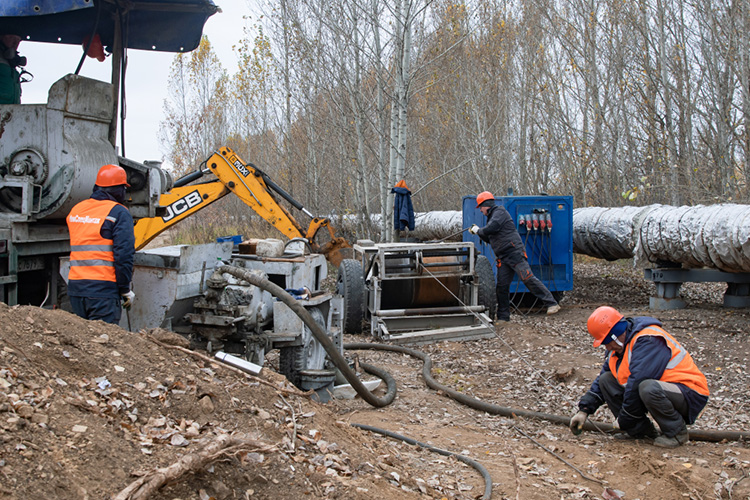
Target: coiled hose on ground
351	377
695	434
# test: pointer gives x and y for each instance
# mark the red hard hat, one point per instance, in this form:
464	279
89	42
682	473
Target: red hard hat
484	196
111	175
601	322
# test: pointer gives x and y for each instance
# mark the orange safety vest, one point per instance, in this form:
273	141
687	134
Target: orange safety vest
681	368
91	256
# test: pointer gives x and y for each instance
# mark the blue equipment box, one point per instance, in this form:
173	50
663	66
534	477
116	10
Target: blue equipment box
236	239
549	249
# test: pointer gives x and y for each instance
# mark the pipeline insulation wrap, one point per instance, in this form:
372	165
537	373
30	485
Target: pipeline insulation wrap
716	236
712	236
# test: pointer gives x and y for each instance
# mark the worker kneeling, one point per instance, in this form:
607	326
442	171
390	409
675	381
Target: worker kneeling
646	371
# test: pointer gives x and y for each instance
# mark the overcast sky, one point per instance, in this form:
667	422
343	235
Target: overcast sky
146	79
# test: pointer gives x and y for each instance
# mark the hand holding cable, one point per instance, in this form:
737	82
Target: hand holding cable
474	229
576	423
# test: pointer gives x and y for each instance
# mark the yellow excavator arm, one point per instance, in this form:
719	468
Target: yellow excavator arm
253	187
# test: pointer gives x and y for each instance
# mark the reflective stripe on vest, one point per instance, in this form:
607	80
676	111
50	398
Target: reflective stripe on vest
681	368
91	256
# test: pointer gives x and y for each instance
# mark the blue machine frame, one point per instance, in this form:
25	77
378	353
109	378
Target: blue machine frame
549	251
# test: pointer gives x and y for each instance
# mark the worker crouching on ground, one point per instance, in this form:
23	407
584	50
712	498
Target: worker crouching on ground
646	371
502	235
102	246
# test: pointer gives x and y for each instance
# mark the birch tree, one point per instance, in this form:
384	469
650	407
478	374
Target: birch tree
195	123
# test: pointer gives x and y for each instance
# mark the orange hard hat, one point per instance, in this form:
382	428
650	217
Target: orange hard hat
484	196
112	175
601	322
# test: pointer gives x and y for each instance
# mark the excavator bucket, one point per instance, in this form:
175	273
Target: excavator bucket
336	250
332	249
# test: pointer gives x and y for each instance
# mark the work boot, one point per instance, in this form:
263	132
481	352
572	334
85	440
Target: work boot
650	432
624	436
500	316
672	442
553	309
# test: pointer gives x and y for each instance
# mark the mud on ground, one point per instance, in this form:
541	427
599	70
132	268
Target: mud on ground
86	408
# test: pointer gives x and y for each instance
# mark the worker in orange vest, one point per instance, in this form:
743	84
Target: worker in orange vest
646	371
102	246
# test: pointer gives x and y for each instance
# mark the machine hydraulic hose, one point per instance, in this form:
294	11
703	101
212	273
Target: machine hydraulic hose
348	373
695	434
341	363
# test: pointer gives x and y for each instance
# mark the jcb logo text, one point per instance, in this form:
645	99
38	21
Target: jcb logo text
182	205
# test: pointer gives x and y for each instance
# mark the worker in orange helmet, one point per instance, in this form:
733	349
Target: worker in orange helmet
102	247
646	371
502	235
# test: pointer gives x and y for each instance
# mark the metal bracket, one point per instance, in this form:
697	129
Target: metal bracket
668	282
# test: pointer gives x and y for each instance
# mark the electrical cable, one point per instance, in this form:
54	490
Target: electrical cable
461	458
124	36
520	356
45	297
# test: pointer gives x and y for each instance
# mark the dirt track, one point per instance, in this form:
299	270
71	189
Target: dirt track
64	436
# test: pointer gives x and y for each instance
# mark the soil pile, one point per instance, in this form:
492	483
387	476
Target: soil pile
86	408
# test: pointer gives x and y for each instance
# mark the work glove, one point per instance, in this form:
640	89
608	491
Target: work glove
127	299
474	229
576	423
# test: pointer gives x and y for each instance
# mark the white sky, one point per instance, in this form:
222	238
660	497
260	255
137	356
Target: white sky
146	79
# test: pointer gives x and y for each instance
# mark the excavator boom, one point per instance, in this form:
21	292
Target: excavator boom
253	187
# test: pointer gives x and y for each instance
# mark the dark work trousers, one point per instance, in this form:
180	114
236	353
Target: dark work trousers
107	309
505	273
663	400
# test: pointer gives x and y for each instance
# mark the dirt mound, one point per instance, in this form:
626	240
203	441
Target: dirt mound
87	409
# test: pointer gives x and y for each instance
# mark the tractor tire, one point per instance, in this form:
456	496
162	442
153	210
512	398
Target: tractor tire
486	275
351	286
309	356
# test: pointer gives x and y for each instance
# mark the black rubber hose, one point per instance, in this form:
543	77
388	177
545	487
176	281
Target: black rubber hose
321	336
695	434
468	461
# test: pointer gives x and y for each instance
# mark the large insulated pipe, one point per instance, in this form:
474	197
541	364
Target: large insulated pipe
716	236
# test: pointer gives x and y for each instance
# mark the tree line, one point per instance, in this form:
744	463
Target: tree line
614	102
